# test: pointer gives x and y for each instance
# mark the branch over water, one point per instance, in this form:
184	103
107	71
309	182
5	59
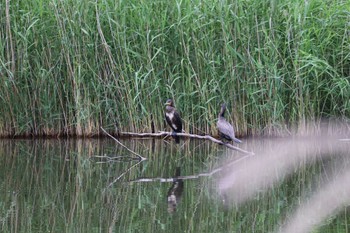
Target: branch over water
189	177
141	158
206	137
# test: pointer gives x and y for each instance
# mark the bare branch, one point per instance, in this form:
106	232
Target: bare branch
123	174
344	139
139	156
190	177
112	159
206	137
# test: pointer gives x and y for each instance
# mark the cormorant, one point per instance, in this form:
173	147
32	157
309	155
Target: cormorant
175	192
225	129
173	118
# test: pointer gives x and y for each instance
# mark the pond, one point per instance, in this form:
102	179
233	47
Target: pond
96	185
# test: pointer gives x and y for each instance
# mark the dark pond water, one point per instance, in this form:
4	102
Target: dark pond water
99	186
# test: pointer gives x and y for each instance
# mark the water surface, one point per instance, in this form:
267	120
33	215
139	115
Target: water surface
99	186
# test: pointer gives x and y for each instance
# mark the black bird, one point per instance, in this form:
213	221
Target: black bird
225	129
173	118
175	192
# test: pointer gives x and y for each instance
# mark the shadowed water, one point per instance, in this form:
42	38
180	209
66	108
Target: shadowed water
98	186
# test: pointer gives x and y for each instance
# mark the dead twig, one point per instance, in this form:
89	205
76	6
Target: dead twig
190	177
141	158
121	175
344	139
206	137
112	159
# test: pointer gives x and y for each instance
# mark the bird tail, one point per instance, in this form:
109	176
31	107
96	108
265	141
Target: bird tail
237	140
178	171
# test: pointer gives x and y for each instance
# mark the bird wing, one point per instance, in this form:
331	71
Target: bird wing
226	128
174	121
168	120
177	121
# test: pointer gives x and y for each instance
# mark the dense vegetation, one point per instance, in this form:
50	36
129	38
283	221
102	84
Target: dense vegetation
68	67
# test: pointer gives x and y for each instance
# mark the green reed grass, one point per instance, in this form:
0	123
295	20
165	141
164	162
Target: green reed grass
69	67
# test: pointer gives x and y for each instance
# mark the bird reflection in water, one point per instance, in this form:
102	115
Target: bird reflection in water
175	192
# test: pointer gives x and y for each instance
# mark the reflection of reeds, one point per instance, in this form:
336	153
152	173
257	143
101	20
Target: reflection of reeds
257	174
69	67
326	202
10	212
59	189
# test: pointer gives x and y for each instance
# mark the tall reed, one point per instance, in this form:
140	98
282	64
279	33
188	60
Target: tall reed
69	67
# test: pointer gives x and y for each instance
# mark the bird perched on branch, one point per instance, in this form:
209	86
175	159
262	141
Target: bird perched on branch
225	129
173	118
